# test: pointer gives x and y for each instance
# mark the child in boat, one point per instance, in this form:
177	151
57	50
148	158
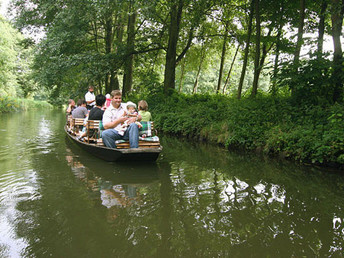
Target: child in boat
108	100
130	112
143	111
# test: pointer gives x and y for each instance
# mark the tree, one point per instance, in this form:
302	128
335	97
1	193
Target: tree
300	30
128	65
15	62
247	47
337	24
223	55
230	69
174	27
321	27
257	52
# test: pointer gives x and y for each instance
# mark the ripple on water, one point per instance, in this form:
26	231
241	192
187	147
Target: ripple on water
16	186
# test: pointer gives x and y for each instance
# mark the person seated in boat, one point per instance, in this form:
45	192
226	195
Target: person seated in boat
71	106
113	118
81	111
130	112
108	100
96	113
143	111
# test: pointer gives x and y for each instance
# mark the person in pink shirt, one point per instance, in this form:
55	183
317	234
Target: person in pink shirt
108	100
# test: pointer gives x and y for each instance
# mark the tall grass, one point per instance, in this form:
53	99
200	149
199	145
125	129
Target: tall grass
10	104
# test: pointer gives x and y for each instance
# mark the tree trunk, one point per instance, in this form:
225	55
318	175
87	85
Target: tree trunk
170	65
257	54
223	56
277	53
248	41
108	48
114	83
300	32
182	71
337	23
118	30
194	90
321	28
230	69
128	65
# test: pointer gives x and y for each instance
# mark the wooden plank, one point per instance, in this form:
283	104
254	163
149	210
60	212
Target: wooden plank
145	147
140	143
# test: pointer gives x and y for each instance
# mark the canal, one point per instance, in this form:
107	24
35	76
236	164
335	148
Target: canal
197	200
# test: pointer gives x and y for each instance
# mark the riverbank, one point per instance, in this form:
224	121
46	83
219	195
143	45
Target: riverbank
272	125
9	104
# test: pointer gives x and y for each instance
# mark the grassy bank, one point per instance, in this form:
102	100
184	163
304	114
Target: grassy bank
275	126
8	104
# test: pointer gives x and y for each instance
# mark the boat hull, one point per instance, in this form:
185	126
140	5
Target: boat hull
109	154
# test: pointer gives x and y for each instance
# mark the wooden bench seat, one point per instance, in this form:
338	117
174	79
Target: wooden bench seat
74	125
142	144
93	131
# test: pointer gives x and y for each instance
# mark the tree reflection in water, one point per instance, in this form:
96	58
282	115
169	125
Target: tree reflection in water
197	200
201	202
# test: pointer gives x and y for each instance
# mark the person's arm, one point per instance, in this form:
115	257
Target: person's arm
69	109
134	119
108	124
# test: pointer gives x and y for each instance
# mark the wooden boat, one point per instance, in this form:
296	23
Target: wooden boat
145	153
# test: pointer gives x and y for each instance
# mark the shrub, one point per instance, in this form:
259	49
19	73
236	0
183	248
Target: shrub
9	104
308	133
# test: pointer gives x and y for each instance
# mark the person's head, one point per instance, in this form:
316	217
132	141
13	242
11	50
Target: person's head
116	96
100	100
81	102
71	102
108	96
131	107
143	105
90	88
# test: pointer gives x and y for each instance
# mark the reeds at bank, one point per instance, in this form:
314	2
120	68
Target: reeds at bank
10	104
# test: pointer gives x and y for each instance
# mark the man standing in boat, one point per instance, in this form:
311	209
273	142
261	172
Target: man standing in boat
90	98
113	118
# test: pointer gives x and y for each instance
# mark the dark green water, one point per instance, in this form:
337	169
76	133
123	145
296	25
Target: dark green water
195	201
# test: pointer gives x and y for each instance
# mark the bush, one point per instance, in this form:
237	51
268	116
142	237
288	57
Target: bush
308	133
8	104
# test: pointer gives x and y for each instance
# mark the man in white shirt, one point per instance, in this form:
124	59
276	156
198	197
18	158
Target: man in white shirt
90	98
113	117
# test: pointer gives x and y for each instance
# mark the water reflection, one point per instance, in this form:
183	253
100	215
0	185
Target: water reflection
197	200
204	205
116	186
259	209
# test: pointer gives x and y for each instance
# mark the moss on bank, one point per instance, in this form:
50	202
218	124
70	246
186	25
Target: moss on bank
8	104
310	134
